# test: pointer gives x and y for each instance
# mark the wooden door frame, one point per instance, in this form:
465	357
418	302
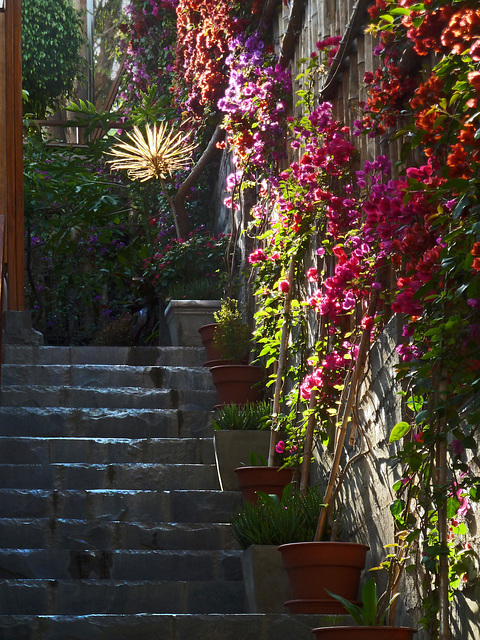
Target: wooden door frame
11	151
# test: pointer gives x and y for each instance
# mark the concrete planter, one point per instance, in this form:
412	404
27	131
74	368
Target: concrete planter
233	448
265	579
185	317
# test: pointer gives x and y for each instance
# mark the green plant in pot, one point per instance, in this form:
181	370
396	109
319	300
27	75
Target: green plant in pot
232	336
239	431
198	289
370	617
259	528
236	381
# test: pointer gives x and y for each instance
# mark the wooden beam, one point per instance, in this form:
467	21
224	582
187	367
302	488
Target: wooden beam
14	160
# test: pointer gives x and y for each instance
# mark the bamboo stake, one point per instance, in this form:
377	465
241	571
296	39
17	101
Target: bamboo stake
307	449
441	479
361	358
282	356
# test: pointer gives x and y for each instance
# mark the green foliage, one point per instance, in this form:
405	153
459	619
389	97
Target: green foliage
246	417
273	520
181	262
52	36
370	614
81	250
232	336
199	289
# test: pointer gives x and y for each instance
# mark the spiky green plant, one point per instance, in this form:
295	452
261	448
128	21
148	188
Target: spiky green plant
157	155
273	520
246	417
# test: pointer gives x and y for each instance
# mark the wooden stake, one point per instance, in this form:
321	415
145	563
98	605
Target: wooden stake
441	480
307	449
282	356
340	440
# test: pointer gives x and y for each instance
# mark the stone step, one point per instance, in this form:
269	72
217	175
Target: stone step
108	376
44	533
84	597
104	423
110	476
24	450
118	504
136	565
162	627
133	356
91	397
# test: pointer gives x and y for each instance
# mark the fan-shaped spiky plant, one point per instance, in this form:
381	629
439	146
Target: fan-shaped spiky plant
157	155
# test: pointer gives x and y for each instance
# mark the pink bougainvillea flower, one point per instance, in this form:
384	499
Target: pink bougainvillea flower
280	446
257	256
312	274
284	286
349	301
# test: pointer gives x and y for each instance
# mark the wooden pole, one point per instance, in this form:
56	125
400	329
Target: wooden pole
307	449
11	149
441	481
359	366
282	356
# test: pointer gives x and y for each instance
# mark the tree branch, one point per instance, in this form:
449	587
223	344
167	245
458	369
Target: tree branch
179	199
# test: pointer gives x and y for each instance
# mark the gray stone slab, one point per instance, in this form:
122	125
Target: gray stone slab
43	533
84	597
107	423
109	376
124	565
121	505
135	356
161	627
24	450
110	476
123	398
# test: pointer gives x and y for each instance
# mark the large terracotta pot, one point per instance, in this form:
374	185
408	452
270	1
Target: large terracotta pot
265	479
364	633
313	567
237	383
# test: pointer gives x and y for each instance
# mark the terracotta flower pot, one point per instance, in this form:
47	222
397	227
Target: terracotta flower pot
236	383
266	479
206	334
313	567
364	633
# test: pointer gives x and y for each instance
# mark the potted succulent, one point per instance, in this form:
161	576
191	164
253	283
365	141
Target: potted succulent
259	528
239	431
237	382
369	618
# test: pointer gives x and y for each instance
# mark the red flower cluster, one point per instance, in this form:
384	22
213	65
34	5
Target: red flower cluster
204	29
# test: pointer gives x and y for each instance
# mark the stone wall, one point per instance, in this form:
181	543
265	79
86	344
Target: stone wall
367	494
367	490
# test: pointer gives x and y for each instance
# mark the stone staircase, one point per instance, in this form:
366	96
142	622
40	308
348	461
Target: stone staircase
112	524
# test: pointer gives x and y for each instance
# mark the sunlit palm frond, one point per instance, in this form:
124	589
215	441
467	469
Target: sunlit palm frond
158	154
